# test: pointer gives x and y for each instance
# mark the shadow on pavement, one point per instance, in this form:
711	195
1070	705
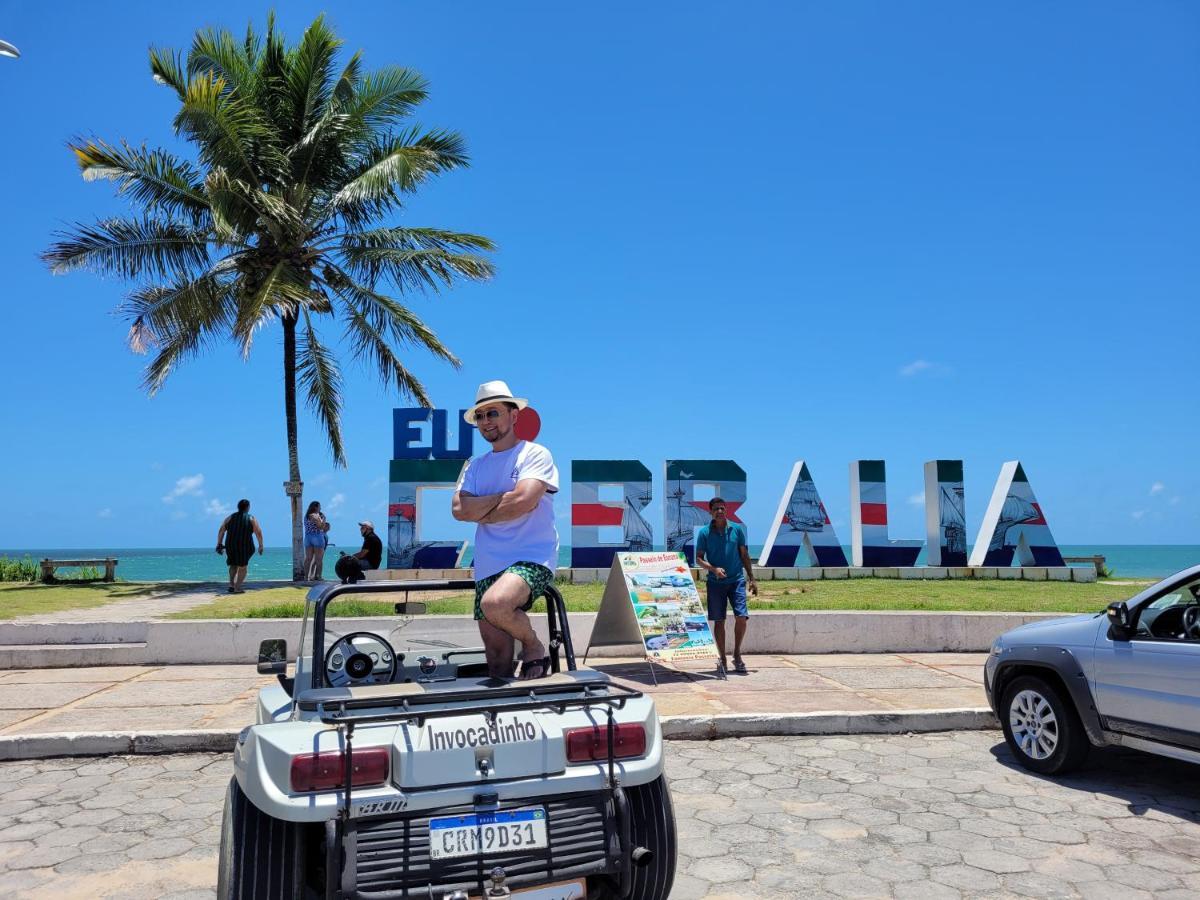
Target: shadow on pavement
1142	781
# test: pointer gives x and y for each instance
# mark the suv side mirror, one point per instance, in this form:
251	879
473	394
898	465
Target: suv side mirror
1120	622
272	657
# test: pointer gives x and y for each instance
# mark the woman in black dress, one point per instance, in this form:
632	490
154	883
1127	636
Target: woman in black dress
236	540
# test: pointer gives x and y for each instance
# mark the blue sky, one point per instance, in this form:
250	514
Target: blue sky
753	231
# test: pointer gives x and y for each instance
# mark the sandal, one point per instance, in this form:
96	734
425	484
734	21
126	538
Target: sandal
739	666
541	665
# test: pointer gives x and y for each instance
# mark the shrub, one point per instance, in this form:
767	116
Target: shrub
24	569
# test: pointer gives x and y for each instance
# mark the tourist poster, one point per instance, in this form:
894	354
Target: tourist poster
672	618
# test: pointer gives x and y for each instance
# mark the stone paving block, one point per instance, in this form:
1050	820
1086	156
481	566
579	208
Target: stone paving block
929	698
764	573
786	573
973	673
959	572
888	677
861	572
204	673
1033	573
73	676
985	572
1084	574
115	719
1008	573
834	573
131	695
1058	573
886	572
808	573
13	716
797	701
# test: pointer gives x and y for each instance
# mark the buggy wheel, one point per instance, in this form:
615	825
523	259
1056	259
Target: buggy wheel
653	827
261	857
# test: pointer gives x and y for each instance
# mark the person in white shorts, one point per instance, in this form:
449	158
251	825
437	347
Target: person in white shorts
508	492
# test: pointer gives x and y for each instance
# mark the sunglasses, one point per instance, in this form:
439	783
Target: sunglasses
487	414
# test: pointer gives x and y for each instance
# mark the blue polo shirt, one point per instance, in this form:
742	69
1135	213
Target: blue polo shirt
720	549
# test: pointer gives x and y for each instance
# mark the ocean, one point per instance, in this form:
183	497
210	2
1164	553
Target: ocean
202	564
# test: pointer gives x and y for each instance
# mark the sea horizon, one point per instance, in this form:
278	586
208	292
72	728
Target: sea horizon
203	564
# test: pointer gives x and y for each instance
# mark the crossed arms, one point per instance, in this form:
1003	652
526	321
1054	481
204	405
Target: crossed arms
492	509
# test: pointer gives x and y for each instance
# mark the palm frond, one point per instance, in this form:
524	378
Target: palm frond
321	380
216	54
231	132
202	304
385	96
153	179
281	291
415	258
166	67
387	316
130	248
310	75
369	346
210	299
398	164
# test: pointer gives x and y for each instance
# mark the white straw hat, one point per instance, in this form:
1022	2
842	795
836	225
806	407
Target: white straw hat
493	392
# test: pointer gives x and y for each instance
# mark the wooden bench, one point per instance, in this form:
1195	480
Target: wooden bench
1097	561
109	563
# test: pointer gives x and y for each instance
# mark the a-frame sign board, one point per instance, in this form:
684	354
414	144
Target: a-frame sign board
651	602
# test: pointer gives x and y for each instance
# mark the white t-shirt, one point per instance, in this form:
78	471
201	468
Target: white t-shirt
532	537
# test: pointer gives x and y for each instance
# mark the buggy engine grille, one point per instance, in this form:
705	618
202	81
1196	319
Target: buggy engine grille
392	858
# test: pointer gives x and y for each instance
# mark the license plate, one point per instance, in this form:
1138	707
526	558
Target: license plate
481	834
567	890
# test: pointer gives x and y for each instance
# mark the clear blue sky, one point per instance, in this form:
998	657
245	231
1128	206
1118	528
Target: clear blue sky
762	231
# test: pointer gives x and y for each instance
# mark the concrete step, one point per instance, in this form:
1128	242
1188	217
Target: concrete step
64	656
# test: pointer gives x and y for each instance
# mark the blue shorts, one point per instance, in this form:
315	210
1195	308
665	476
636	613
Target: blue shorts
316	539
722	596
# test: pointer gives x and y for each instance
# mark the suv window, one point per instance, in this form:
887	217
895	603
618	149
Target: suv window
1163	618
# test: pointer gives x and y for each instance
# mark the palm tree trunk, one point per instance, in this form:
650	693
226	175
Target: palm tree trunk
293	487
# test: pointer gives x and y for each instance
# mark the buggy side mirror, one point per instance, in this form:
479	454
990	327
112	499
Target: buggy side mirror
1120	622
272	657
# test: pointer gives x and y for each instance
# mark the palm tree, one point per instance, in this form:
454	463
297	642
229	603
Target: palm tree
281	218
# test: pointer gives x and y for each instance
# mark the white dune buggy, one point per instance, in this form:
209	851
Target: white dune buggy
385	771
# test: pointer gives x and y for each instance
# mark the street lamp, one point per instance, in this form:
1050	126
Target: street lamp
7	49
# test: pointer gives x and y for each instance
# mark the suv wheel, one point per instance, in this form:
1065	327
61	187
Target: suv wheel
1041	727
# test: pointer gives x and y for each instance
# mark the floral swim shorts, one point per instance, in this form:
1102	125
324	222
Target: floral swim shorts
538	578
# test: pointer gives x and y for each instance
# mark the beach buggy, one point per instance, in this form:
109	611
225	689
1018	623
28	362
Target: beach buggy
391	766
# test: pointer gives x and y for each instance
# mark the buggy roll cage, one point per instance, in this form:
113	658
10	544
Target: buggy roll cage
323	595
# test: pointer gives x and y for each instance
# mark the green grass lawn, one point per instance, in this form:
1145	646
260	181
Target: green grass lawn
859	593
17	599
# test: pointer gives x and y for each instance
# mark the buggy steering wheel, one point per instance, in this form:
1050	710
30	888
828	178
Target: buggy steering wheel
361	657
1191	622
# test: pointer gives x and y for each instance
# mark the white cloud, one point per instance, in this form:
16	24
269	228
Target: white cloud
914	500
105	513
915	367
215	507
335	503
188	485
1138	514
1157	488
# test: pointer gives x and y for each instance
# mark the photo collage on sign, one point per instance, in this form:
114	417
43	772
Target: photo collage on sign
672	617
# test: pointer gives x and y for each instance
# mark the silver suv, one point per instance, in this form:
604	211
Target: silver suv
1128	676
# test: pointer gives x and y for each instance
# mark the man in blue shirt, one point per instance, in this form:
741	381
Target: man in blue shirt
721	550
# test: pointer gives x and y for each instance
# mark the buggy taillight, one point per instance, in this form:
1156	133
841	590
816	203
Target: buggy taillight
591	744
327	771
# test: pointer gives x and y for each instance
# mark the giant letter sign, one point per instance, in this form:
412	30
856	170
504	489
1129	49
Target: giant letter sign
945	513
683	514
869	541
802	524
405	436
1014	523
589	512
406	550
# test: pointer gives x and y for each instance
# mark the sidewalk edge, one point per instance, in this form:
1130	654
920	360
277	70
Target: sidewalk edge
685	728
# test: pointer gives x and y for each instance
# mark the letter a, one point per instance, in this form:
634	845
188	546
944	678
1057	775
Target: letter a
801	524
1014	523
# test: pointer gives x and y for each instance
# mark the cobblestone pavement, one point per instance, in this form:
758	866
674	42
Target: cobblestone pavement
927	816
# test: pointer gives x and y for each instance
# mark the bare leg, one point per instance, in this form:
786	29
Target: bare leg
318	564
719	637
739	632
232	578
309	552
500	609
240	578
498	645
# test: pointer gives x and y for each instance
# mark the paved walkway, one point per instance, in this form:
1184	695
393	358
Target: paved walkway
168	698
930	816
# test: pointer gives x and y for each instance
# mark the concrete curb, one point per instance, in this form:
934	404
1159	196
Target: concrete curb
680	728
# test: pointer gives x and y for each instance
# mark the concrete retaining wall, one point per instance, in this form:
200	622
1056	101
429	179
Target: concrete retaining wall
921	573
53	645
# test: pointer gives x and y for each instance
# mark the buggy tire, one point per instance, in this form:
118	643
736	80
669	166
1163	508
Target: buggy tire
1041	727
261	857
653	827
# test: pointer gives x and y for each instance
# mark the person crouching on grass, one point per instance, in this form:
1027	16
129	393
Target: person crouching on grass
508	492
721	550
